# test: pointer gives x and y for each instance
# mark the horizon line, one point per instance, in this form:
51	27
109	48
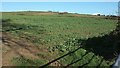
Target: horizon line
55	11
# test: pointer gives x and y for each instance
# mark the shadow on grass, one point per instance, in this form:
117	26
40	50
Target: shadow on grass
78	59
107	46
60	58
8	26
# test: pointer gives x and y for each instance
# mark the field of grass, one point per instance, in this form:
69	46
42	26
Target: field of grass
58	35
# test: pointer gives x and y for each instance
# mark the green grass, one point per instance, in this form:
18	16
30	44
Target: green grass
54	28
53	31
23	61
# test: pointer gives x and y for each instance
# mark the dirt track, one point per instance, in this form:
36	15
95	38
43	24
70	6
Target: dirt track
12	47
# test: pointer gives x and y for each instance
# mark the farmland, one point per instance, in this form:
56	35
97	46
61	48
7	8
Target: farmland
37	38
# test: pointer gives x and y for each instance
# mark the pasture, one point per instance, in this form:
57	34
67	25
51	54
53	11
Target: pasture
37	38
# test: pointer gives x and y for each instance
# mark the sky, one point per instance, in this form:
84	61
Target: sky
74	7
60	0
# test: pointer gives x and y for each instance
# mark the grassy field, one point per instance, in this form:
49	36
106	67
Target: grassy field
56	35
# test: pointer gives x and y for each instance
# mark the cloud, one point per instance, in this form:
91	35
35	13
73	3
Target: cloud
96	13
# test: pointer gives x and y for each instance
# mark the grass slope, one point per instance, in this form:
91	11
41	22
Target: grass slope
59	33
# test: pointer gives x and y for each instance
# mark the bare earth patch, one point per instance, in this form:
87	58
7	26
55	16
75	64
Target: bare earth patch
12	47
